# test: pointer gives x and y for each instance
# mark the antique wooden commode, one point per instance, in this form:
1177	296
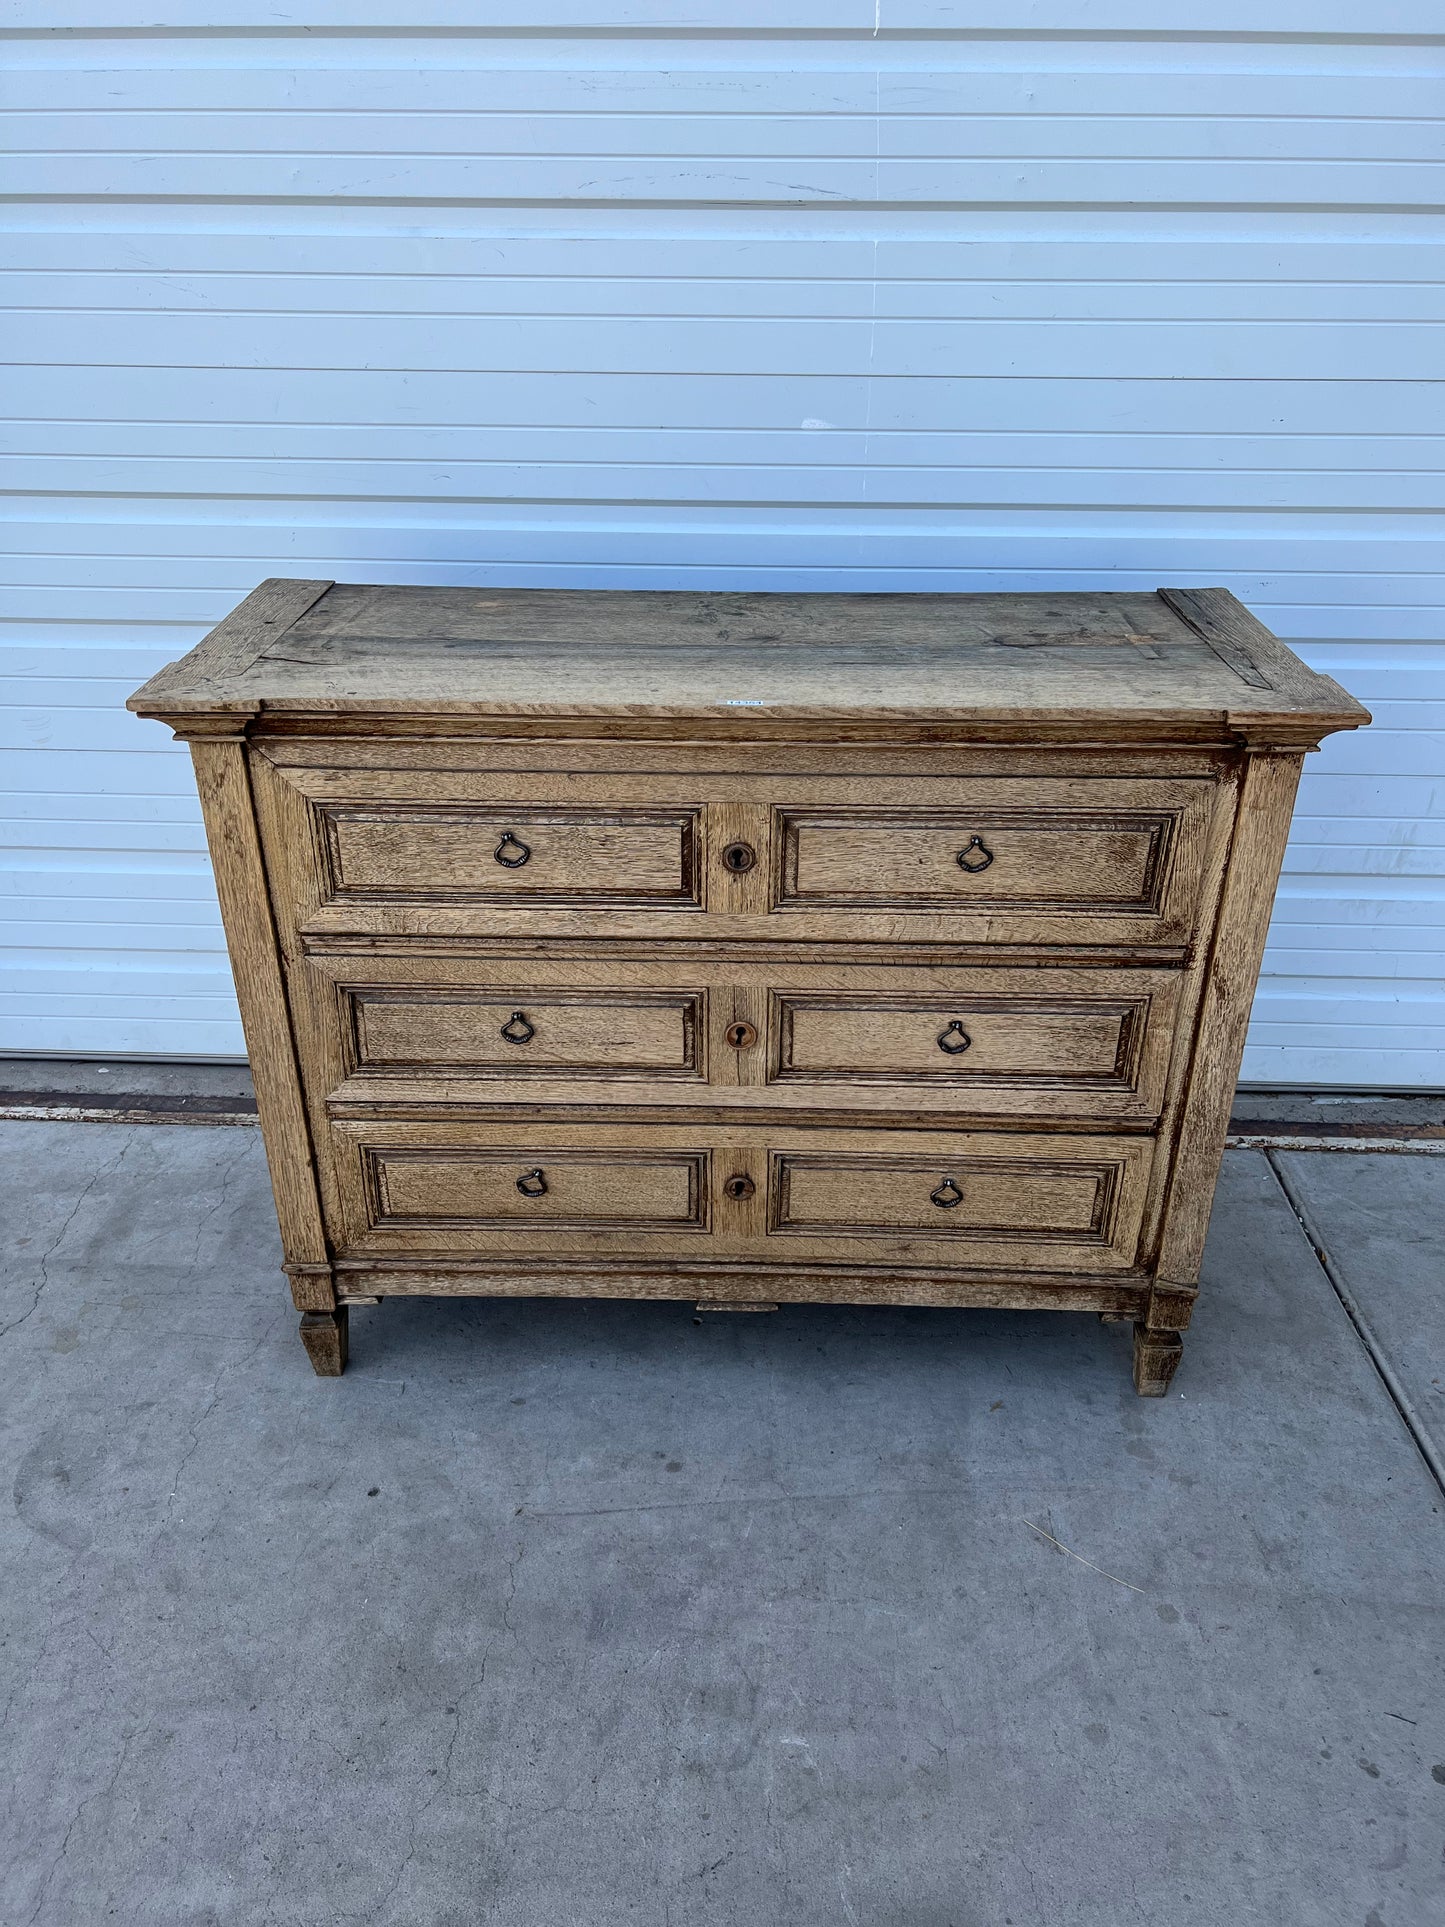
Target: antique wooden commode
746	948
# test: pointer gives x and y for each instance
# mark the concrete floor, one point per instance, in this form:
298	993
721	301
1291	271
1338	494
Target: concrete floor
550	1614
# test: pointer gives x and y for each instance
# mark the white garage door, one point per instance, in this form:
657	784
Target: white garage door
794	294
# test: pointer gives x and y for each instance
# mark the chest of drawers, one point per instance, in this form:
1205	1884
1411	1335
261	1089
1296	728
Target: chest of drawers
746	948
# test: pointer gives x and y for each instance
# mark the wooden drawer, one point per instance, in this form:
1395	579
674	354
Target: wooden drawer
529	1032
744	1194
1062	859
980	859
1033	1042
1040	1199
517	854
1037	1041
571	1189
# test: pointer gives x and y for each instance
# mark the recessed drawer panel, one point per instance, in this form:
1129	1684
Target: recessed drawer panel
749	1194
420	1029
1025	1197
977	860
608	857
517	1187
1063	859
526	1032
1045	1203
1057	1043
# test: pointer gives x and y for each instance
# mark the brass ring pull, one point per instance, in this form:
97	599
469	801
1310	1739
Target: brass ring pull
954	1039
739	1186
739	858
517	1030
522	852
946	1195
532	1184
741	1036
974	843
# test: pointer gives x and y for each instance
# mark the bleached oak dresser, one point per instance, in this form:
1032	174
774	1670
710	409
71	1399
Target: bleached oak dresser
746	948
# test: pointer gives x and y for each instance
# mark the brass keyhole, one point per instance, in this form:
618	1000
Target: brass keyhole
741	1036
739	857
739	1186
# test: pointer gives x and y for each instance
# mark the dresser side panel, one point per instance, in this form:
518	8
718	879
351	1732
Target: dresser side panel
1261	830
231	833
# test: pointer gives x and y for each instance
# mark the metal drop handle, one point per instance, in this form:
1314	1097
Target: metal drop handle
532	1184
954	1040
517	1030
985	854
523	851
946	1195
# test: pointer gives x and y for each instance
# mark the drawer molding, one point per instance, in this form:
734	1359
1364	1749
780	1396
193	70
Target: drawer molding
920	1177
419	1025
609	858
970	1015
616	1178
1072	846
741	1192
605	1034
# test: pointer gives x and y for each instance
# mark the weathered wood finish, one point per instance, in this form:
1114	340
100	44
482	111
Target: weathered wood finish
221	780
742	1193
422	1031
325	1336
746	949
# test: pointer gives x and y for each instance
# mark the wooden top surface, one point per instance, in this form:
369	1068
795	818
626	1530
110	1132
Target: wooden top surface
1191	657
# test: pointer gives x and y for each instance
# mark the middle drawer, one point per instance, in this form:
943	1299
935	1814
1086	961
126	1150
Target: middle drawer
1035	1041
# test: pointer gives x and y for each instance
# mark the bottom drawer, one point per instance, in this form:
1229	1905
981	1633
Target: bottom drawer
739	1194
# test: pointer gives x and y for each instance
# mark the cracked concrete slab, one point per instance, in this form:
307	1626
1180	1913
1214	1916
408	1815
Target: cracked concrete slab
1381	1221
553	1613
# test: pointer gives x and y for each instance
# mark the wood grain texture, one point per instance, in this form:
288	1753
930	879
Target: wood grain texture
1239	638
960	662
744	1191
518	853
584	978
1103	858
1156	1359
417	1029
1122	1296
1266	797
204	680
231	834
325	1336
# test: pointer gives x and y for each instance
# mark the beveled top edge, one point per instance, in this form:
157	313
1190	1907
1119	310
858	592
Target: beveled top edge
1116	662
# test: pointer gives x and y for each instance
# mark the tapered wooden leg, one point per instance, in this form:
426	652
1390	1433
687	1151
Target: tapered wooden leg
323	1333
1156	1359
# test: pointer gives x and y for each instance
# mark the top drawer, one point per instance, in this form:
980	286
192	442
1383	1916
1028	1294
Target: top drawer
977	859
522	854
1056	860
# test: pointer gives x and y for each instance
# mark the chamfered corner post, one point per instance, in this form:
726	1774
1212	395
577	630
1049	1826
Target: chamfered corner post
223	781
325	1335
1256	852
